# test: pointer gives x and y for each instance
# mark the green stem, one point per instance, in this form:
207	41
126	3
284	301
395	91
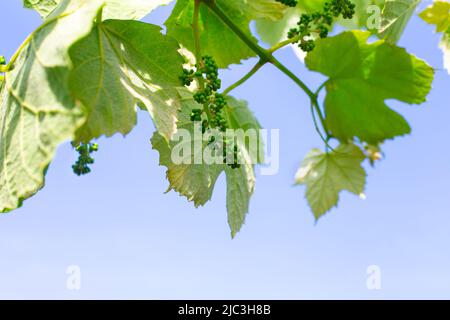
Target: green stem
244	78
321	117
294	78
285	43
267	56
198	53
316	125
320	88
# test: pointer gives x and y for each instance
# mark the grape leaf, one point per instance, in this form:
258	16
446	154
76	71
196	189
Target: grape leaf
216	38
361	77
262	9
43	7
36	118
439	15
327	174
196	181
394	18
122	63
114	9
272	32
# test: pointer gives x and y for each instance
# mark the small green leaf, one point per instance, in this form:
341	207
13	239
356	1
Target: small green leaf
122	63
37	112
394	18
43	7
438	14
196	181
361	77
327	174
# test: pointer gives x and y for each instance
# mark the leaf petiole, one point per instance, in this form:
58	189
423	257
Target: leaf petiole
255	69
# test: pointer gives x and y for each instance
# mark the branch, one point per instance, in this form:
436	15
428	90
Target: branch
266	56
245	78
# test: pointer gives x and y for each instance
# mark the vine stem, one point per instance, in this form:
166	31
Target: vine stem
266	56
285	43
316	126
294	78
198	51
244	78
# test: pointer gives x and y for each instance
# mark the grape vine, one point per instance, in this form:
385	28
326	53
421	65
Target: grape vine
88	84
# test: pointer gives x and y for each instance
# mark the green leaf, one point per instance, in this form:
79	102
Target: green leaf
122	63
272	32
114	9
327	174
131	9
216	38
361	77
394	18
37	112
438	14
43	7
262	9
195	179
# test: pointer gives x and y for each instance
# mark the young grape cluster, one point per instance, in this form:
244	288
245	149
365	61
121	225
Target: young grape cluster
211	115
289	3
320	22
81	167
207	72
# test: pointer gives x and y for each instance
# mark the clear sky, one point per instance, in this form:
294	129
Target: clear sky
130	240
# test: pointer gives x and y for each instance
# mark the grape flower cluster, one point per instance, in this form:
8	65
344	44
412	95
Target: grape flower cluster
211	115
289	3
81	167
320	22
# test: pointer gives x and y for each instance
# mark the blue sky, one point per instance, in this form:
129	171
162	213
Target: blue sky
131	240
